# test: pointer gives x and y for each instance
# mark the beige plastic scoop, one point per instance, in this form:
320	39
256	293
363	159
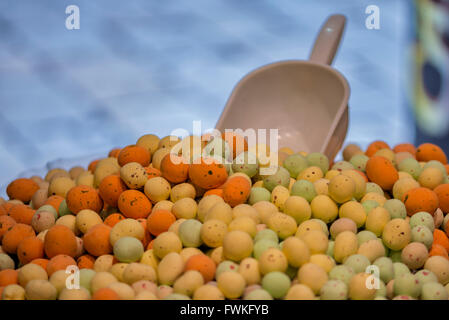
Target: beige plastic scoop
307	101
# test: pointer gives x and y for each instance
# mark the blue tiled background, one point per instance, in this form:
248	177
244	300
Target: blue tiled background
148	66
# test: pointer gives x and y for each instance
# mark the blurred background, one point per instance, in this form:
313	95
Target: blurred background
146	66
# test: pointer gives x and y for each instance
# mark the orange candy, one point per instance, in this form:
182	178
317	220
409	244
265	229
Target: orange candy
114	152
147	236
236	191
6	223
209	174
30	249
55	201
159	221
134	204
96	240
405	147
442	192
2	211
237	142
439	237
8	276
218	192
86	261
152	172
60	240
381	171
59	262
41	262
376	146
15	235
105	294
21	213
83	197
22	189
438	250
93	165
430	151
420	199
113	219
174	169
110	189
134	153
202	263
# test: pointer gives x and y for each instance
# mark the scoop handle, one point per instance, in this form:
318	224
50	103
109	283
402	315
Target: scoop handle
327	42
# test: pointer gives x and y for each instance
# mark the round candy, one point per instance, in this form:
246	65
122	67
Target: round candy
237	245
357	262
396	234
305	189
406	284
434	291
128	249
312	276
276	284
190	233
341	272
396	208
334	290
422	234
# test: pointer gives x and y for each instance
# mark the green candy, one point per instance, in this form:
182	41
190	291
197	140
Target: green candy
357	262
49	208
190	233
246	163
434	291
400	269
64	209
262	245
364	236
422	218
226	265
258	194
395	255
295	164
341	272
426	276
396	208
281	177
305	189
217	147
386	268
266	234
407	284
369	205
422	234
276	284
411	166
128	249
319	160
334	290
374	187
382	291
86	276
359	162
342	165
258	294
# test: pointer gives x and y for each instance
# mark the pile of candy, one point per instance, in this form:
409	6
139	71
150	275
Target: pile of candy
138	224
